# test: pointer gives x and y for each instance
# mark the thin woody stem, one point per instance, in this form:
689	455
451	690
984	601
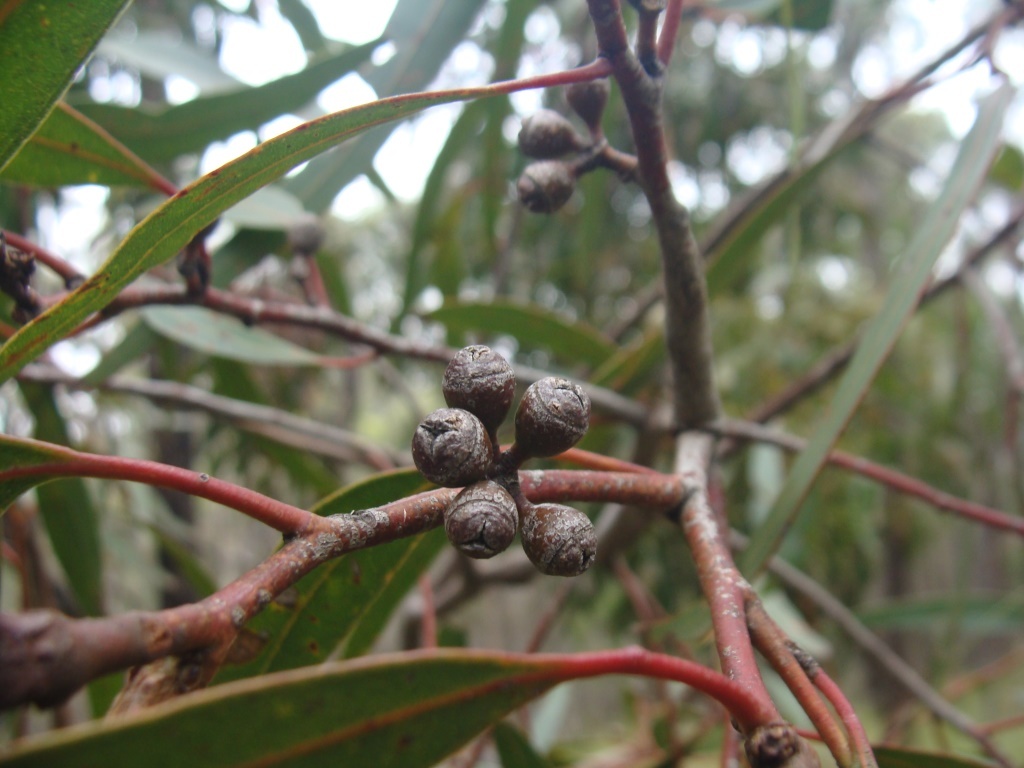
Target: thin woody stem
721	582
88	648
911	486
687	324
791	665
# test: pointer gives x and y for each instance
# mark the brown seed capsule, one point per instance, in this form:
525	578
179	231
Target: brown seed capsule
545	186
552	417
482	382
546	135
481	521
559	540
588	100
451	448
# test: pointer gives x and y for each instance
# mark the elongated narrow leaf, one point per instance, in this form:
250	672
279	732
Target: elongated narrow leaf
387	712
902	757
16	452
71	149
169	228
985	614
342	605
631	367
811	15
216	334
515	750
423	32
43	45
459	138
67	509
160	136
160	54
880	335
533	326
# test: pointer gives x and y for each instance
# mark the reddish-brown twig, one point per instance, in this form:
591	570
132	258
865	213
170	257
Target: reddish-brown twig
744	430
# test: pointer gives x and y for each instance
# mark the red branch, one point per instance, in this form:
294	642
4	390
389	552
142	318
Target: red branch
70	463
879	473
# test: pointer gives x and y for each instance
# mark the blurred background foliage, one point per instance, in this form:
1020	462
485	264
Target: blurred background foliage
457	261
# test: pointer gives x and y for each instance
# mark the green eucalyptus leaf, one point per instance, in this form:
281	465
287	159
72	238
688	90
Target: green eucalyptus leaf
424	32
400	711
170	227
903	757
18	453
341	606
69	148
212	333
66	508
162	135
43	46
515	750
911	276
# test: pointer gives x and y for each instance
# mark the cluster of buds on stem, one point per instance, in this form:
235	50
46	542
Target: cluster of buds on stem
458	447
561	153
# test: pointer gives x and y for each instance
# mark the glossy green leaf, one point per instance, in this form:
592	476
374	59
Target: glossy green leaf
162	135
18	452
911	275
170	227
423	32
533	326
213	333
901	757
460	136
342	606
69	148
66	508
515	750
402	711
43	46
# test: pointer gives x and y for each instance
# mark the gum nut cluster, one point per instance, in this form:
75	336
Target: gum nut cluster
546	136
458	447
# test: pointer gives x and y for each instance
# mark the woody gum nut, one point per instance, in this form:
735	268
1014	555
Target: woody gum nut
545	186
546	135
552	417
481	521
588	100
480	381
451	448
559	540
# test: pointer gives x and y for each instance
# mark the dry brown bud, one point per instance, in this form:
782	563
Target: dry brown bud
588	101
481	521
545	186
482	382
546	135
559	540
552	417
451	448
